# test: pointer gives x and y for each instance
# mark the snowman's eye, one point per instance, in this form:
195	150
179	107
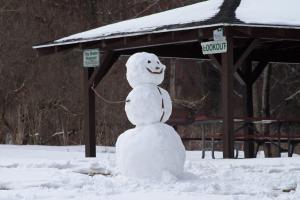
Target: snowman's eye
157	62
149	61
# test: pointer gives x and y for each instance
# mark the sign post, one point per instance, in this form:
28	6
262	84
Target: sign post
91	58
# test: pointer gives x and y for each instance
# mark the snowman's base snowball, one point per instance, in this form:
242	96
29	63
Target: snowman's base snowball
150	151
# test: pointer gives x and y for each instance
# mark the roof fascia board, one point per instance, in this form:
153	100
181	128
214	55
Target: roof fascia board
126	35
285	33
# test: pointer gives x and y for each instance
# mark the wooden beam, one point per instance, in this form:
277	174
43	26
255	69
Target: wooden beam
152	40
246	52
186	50
177	37
107	60
216	64
239	77
242	76
215	61
144	40
227	96
274	33
258	70
250	47
89	115
93	77
276	57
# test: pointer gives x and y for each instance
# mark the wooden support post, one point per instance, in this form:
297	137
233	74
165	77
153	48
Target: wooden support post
89	114
227	96
91	78
248	109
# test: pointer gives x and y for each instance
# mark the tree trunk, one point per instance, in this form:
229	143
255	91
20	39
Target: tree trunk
172	78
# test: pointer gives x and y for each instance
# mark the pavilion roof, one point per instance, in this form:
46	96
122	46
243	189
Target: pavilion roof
261	13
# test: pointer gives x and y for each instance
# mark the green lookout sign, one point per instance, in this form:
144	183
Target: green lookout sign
214	47
91	57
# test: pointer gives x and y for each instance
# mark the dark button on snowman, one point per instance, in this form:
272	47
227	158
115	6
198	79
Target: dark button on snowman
152	149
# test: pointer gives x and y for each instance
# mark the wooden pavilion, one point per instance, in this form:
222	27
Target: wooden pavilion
252	31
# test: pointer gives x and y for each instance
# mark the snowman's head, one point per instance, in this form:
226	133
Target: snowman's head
144	68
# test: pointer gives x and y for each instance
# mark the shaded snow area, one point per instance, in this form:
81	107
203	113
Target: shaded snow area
193	13
51	173
275	12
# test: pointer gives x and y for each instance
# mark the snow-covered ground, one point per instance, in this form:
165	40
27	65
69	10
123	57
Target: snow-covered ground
59	173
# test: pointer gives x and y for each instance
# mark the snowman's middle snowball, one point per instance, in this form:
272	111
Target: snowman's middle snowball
148	104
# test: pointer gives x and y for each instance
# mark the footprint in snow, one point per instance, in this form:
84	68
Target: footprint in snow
95	171
4	186
14	165
274	170
294	170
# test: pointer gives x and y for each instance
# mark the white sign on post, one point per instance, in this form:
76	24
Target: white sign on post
91	57
214	47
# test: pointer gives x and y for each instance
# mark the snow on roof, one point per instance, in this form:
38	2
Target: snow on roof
273	12
183	15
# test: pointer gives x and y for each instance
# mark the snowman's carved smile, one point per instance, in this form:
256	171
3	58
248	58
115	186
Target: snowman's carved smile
154	72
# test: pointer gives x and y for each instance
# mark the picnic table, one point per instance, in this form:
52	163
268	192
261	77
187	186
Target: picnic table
283	132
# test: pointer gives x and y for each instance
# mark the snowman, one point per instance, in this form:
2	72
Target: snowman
152	149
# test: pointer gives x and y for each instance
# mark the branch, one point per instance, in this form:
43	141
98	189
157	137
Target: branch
285	101
193	105
66	109
14	92
146	9
292	96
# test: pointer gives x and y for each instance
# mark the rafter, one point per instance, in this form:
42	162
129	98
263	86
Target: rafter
258	70
250	47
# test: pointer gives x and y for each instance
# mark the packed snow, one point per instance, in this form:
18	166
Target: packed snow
275	12
154	152
51	173
144	68
144	105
